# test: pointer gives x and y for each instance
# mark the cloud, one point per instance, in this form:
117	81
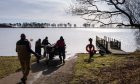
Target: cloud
35	10
13	8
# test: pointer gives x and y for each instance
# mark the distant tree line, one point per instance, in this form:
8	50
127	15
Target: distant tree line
43	25
3	25
38	25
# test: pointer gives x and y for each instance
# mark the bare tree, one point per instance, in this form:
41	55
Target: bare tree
104	12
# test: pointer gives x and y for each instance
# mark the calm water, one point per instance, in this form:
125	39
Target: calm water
76	39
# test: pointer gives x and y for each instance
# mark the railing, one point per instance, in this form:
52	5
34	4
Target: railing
103	43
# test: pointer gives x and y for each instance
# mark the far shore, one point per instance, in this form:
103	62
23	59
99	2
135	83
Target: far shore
65	28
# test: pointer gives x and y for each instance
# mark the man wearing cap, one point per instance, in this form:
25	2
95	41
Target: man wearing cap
23	49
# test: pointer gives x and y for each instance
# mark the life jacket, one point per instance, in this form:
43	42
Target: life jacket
60	43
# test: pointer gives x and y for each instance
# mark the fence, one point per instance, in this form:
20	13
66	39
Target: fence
104	43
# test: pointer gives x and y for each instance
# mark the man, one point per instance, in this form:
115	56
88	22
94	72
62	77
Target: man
61	48
38	49
90	49
45	42
23	49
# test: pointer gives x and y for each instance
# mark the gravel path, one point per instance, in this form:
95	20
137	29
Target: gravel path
56	73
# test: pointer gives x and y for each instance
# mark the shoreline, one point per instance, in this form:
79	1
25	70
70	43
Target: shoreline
61	28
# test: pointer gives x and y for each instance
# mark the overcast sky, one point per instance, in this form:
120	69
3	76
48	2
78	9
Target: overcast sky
36	10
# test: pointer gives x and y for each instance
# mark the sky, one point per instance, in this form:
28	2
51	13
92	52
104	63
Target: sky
37	11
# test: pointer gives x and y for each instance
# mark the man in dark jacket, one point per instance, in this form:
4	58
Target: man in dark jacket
38	49
45	42
61	48
23	49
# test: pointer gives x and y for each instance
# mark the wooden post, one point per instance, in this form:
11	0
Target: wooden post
120	45
108	39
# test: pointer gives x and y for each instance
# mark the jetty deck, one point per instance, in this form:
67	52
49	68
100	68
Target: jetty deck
109	45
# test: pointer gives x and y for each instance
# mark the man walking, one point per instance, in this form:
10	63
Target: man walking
23	49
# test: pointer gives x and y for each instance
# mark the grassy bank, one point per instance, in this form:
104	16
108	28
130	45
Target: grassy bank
109	69
9	64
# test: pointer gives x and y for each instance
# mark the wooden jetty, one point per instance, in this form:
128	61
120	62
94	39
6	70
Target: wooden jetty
109	45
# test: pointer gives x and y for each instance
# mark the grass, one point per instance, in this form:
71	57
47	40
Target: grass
109	69
10	64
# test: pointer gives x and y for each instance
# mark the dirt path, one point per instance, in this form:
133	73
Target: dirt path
56	73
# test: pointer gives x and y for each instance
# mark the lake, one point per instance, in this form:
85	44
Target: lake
76	38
